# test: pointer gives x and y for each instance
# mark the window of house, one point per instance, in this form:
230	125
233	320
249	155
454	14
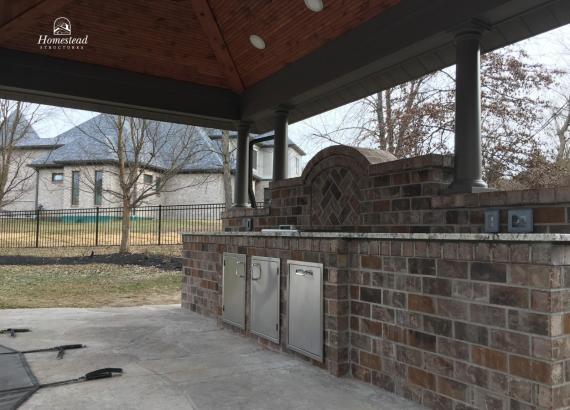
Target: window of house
147	178
254	159
157	184
75	177
57	177
297	166
98	187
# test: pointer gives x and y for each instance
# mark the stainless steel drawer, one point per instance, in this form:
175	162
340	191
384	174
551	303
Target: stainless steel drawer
305	307
265	273
233	289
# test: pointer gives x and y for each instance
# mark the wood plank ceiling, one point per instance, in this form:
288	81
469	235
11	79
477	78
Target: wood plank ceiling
201	41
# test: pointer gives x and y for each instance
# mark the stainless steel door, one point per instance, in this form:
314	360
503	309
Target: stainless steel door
265	297
305	306
233	289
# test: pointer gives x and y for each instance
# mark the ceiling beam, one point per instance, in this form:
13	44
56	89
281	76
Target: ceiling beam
21	21
47	80
216	39
10	9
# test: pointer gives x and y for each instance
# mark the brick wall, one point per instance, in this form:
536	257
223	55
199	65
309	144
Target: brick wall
451	323
202	284
459	325
358	190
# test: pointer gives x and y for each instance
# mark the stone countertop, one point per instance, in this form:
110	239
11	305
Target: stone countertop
477	237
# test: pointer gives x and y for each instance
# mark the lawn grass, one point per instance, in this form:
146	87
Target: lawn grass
71	277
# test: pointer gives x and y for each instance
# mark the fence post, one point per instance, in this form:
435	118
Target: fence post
38	227
159	223
97	227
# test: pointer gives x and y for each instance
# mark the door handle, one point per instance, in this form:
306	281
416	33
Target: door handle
303	272
253	265
237	266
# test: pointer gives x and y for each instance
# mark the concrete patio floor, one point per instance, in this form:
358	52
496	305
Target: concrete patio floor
174	359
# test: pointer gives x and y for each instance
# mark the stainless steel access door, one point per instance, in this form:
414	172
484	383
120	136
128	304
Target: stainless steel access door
265	297
305	307
233	289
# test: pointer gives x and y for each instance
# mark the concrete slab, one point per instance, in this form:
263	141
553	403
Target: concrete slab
174	359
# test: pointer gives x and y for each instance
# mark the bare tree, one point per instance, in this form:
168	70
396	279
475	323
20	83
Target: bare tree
16	120
418	117
561	122
223	149
138	146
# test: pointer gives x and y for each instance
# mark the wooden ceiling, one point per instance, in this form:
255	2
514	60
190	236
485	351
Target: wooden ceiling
200	41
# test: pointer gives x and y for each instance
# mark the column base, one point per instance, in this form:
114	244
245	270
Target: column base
468	187
241	206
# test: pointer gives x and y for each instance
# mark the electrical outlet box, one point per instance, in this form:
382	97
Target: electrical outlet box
248	223
521	220
492	221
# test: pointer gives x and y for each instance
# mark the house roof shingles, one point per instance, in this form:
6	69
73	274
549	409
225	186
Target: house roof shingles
94	141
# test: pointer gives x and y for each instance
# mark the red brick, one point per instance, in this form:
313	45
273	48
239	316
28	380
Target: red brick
421	378
452	388
371	361
370	327
549	215
421	340
421	303
509	342
542	372
371	262
360	373
452	269
490	358
509	296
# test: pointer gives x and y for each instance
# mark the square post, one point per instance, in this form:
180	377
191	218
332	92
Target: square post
242	165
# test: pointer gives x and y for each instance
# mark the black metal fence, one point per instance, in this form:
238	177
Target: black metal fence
150	225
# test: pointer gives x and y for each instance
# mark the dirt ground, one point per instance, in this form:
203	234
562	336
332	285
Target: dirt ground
89	277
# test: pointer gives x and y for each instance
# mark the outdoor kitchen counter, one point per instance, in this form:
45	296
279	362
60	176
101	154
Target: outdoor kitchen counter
478	237
467	318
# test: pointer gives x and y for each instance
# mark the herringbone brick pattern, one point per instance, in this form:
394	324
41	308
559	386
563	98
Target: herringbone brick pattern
335	199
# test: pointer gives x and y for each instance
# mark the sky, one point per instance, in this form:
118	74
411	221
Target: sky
551	48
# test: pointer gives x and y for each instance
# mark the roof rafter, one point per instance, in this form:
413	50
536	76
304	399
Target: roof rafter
215	38
17	23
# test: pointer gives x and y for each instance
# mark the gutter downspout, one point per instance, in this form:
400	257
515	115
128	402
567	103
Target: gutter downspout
37	200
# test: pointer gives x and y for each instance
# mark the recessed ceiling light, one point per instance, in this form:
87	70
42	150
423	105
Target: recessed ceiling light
315	5
257	41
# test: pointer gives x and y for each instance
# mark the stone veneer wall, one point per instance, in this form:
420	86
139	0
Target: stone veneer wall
454	322
359	190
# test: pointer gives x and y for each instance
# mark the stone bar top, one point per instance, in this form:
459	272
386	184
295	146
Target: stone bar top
499	237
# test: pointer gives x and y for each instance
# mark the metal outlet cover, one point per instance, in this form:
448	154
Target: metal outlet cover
305	308
265	283
233	289
520	220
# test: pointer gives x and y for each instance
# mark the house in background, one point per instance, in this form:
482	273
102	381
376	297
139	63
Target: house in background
74	170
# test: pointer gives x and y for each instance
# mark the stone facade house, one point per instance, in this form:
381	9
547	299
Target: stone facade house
75	170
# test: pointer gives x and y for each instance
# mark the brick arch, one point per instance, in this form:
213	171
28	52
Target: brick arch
336	177
356	159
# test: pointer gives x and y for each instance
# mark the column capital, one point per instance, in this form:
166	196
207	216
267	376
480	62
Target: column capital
243	125
470	29
283	109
